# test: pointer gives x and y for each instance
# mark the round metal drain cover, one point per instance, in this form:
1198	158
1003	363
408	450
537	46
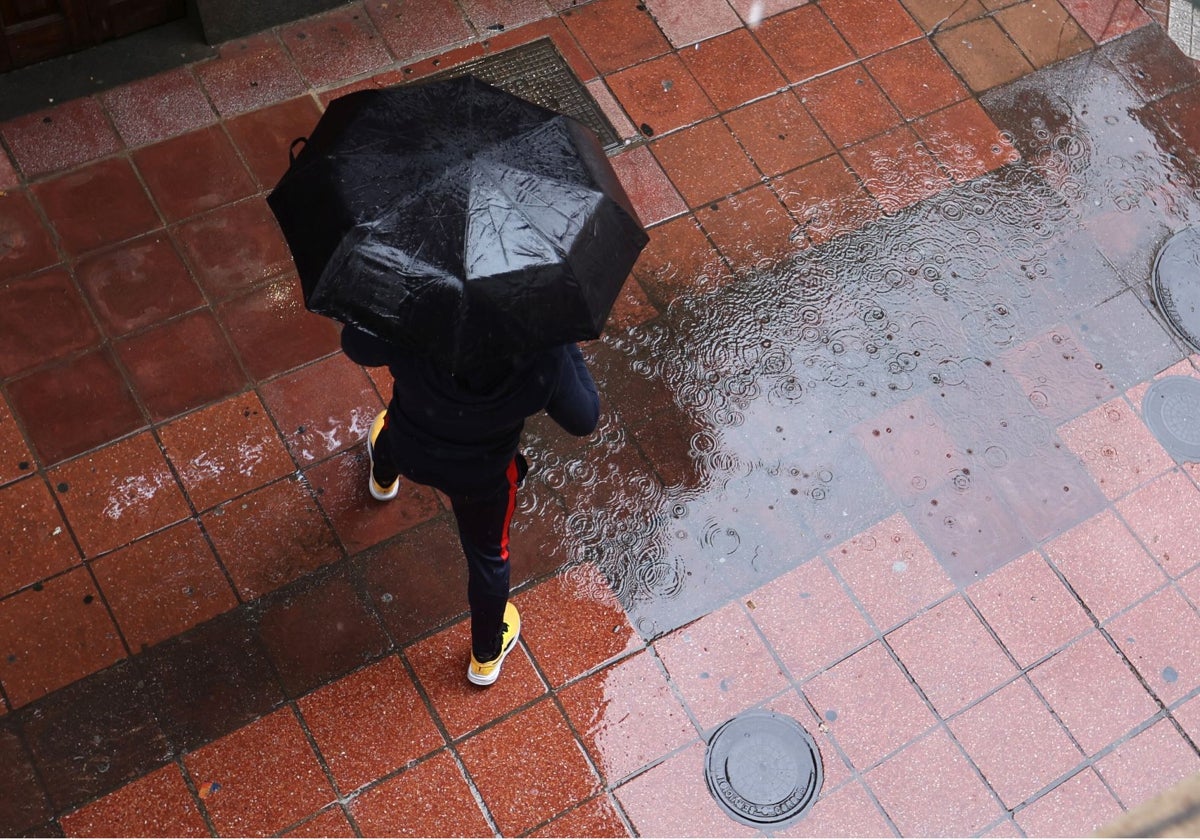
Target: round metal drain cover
763	769
1172	411
1176	283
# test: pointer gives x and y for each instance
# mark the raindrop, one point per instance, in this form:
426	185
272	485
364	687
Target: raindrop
899	566
667	84
831	715
87	599
1170	674
63	487
647	130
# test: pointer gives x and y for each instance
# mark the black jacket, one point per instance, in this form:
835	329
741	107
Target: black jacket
460	432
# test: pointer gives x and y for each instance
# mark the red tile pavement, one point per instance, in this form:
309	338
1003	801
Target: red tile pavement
138	283
57	631
249	74
336	45
157	805
370	724
42	317
193	172
426	799
808	618
710	62
118	493
178	436
685	22
262	778
36	540
271	537
528	767
163	585
96	205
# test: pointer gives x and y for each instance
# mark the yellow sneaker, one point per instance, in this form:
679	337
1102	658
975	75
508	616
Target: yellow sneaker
486	673
378	491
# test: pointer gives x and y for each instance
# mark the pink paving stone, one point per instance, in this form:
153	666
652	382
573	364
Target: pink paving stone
653	195
687	21
370	723
720	665
269	777
1104	20
1105	564
1076	808
846	811
1093	692
611	108
891	571
869	705
59	137
672	800
627	716
808	619
1148	763
755	11
1188	716
1116	447
834	769
248	74
156	805
1012	737
1004	828
1164	514
161	106
1029	608
951	655
1161	637
929	789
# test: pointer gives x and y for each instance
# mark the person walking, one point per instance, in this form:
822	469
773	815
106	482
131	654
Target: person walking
460	432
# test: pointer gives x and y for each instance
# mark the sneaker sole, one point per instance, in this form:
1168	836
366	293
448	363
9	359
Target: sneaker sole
377	492
478	679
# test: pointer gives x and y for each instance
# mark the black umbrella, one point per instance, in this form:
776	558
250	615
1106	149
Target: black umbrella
457	220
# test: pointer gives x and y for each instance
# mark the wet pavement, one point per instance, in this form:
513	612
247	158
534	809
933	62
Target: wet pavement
874	452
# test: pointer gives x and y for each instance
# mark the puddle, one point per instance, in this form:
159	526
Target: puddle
967	321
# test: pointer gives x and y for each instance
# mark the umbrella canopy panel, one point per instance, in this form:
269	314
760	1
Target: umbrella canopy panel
457	219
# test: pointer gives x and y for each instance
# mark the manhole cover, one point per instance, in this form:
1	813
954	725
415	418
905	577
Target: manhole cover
1171	408
1176	283
763	769
538	73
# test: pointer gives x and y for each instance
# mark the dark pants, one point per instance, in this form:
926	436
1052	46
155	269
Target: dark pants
483	524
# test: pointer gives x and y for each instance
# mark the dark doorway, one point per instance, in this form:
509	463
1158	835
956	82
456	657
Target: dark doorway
36	30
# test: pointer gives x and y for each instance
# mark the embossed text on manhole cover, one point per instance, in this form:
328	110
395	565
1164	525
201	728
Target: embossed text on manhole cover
763	769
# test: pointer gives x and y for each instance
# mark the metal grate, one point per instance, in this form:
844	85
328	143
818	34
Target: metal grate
537	72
